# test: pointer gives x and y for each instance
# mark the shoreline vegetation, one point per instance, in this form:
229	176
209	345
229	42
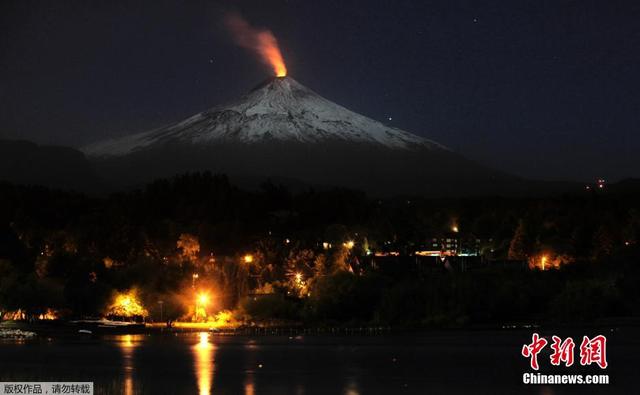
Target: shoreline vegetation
63	329
197	249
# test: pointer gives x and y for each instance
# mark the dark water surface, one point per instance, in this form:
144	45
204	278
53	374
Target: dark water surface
457	362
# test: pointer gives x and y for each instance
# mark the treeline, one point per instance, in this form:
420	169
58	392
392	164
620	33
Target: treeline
584	292
70	252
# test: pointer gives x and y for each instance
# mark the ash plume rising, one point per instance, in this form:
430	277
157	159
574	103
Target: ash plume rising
261	41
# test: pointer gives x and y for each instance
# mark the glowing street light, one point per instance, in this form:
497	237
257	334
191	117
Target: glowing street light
194	277
248	258
201	302
161	303
203	299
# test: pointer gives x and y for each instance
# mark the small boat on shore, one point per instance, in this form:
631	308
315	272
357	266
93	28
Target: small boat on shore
107	325
16	334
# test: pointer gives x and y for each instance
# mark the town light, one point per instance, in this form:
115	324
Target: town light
194	277
203	299
248	258
201	302
126	304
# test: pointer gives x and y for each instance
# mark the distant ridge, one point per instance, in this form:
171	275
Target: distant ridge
24	162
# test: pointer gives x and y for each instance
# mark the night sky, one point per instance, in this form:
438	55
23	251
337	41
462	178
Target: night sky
542	89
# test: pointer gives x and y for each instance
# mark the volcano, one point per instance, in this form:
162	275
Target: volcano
281	109
284	131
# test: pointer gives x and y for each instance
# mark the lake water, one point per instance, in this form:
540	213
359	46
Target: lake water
202	363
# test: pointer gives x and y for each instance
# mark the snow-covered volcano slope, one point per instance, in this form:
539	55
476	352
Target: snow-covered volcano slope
281	109
284	131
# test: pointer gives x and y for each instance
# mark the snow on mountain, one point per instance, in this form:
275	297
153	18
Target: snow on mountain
281	109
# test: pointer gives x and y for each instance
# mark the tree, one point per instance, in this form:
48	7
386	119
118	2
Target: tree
189	246
603	242
520	243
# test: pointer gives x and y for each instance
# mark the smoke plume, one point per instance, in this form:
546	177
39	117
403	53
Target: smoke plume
261	41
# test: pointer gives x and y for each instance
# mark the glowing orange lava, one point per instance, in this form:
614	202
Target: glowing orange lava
263	42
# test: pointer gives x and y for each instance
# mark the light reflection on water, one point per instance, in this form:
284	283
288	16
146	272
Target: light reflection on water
352	388
249	369
127	345
546	390
203	361
249	387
